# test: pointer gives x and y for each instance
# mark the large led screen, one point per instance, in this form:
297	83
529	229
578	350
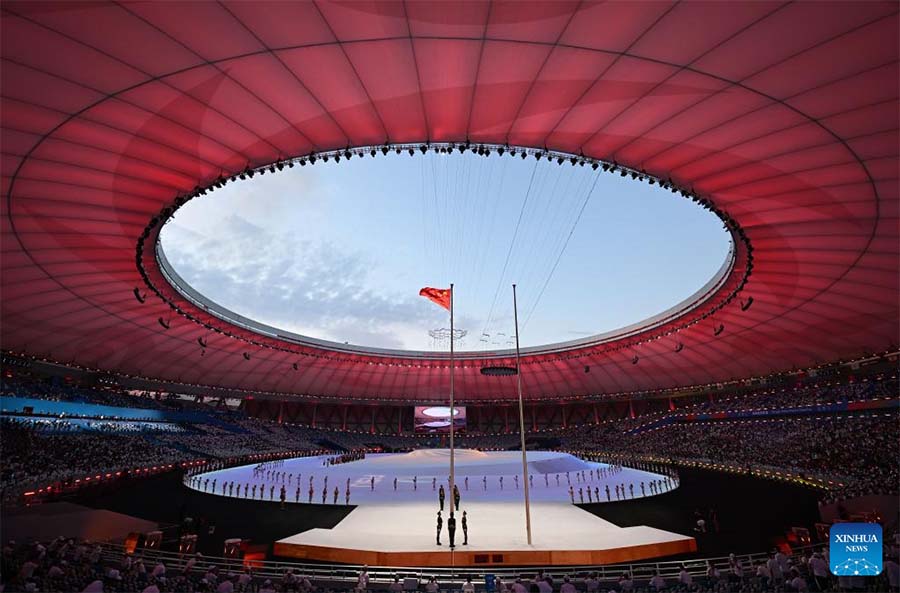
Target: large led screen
436	419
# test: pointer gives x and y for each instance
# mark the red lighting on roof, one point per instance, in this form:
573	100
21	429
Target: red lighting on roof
794	145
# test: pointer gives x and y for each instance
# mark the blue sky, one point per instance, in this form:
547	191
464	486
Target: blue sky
338	251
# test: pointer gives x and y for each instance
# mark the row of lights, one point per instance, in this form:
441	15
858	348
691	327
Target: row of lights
679	391
87	480
682	417
890	354
819	483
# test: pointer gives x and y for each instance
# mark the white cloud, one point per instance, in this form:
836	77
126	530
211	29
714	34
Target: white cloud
310	287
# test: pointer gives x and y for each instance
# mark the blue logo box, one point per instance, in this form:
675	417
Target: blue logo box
855	549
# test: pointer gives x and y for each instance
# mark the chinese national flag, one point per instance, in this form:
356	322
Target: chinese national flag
440	296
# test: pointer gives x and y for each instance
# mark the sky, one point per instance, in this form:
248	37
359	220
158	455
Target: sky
339	251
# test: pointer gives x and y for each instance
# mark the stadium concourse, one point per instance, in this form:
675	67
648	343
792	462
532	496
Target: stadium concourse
734	429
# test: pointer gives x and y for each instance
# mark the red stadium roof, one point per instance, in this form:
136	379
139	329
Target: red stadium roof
783	115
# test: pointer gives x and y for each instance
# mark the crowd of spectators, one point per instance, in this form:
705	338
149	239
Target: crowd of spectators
824	447
805	394
43	449
240	437
32	458
67	424
64	565
55	390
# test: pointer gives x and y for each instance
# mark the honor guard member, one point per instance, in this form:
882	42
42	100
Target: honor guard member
465	528
440	523
336	494
451	530
310	493
572	494
441	496
455	497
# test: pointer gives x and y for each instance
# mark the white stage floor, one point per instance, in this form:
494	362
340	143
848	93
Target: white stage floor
396	526
430	468
493	526
404	535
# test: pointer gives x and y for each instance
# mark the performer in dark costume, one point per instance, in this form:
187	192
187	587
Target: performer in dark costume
465	528
451	529
440	523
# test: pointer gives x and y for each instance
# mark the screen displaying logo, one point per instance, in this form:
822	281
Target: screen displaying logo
855	549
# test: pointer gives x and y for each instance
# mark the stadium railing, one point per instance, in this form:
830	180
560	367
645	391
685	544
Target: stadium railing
346	574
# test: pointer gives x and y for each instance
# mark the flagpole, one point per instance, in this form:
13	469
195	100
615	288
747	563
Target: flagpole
521	415
452	406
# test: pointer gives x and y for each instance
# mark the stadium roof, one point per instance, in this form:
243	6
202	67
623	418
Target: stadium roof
783	115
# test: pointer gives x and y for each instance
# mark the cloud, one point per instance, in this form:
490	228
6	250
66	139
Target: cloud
305	286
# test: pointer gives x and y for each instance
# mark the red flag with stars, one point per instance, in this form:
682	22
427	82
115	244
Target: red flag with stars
439	296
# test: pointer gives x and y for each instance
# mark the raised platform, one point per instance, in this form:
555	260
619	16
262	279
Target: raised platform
403	535
394	521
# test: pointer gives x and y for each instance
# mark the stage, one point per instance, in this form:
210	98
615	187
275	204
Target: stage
404	535
395	526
